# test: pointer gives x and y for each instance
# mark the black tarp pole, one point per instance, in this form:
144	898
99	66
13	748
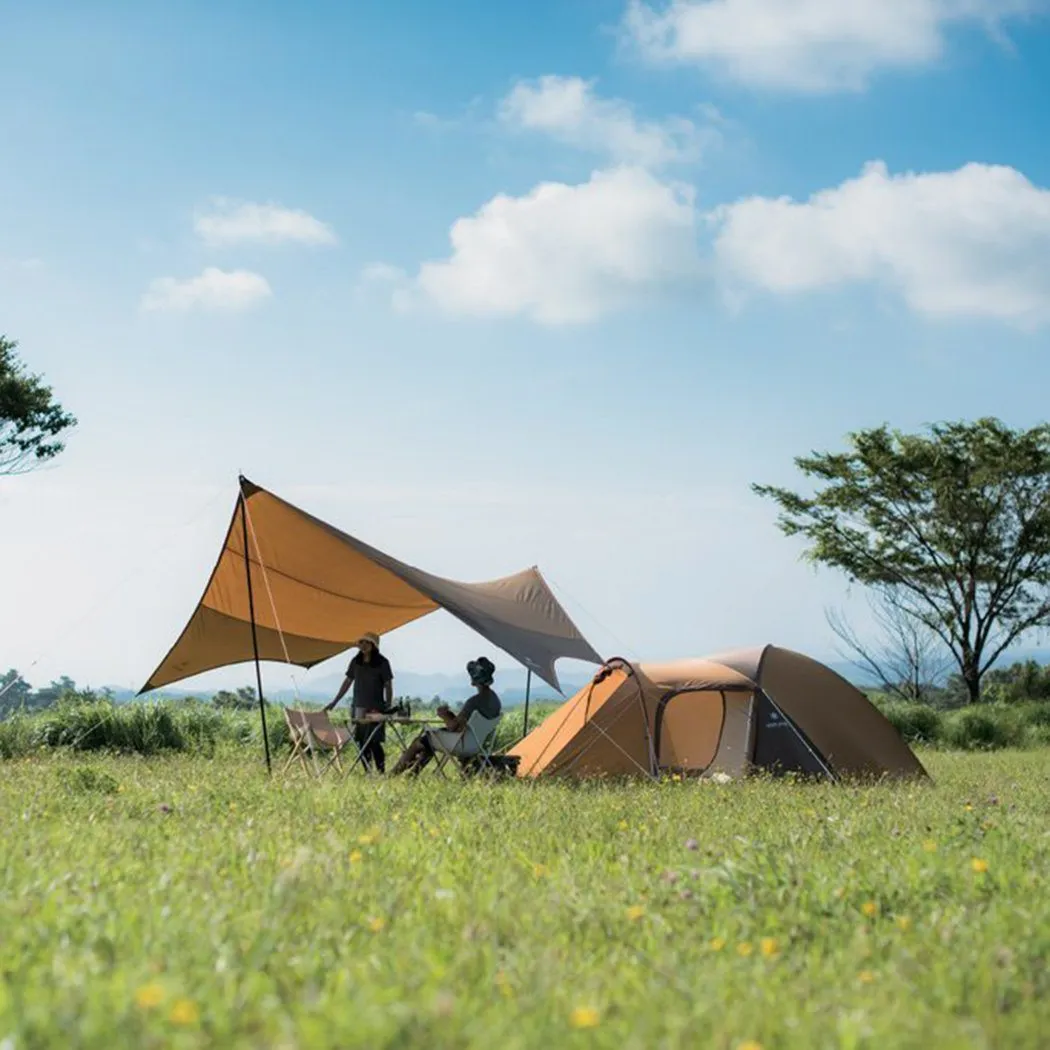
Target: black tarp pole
528	689
255	638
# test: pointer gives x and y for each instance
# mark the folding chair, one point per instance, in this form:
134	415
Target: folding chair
474	743
311	733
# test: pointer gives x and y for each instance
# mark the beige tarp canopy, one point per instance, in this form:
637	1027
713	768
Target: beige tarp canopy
316	591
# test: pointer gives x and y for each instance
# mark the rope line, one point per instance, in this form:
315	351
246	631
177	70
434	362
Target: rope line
269	594
624	647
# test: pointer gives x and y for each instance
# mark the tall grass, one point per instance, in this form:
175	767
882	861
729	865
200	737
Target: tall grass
186	903
198	727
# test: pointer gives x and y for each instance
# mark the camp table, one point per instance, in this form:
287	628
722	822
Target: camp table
399	724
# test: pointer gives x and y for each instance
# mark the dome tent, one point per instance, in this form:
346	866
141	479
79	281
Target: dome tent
733	713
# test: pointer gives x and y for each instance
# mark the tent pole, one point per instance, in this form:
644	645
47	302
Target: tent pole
528	689
255	639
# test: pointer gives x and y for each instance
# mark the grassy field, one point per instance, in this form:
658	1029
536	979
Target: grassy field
186	902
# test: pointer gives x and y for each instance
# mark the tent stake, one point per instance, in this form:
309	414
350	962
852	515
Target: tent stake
255	639
528	689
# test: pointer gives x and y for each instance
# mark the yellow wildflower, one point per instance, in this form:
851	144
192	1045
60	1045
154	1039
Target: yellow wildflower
717	944
368	838
870	909
377	924
622	825
930	846
584	1017
184	1011
539	870
744	949
149	995
770	948
355	856
635	912
749	1044
865	977
979	866
903	923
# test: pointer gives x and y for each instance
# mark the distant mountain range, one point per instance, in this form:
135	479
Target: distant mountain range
510	684
451	688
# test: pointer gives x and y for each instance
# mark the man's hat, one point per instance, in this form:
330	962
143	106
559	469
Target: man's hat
369	636
481	671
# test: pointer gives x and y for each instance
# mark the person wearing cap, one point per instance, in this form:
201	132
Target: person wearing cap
482	672
373	681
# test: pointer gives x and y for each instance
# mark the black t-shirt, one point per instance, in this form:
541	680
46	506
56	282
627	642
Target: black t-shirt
485	702
370	679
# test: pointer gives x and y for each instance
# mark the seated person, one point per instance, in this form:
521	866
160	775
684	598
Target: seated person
484	701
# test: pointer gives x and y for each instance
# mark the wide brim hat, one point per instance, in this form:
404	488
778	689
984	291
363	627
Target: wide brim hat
369	636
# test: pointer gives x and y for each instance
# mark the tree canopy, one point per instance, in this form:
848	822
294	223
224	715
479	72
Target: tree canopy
953	524
31	420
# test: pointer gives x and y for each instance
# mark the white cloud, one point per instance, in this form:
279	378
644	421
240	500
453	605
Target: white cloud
213	289
566	253
242	222
567	109
967	243
808	45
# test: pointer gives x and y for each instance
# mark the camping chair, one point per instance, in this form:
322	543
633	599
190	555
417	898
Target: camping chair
474	744
312	732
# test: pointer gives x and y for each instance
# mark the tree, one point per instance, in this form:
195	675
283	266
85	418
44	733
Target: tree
243	700
953	525
909	661
15	692
1018	683
30	419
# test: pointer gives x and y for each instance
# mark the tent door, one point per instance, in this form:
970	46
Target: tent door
689	730
779	746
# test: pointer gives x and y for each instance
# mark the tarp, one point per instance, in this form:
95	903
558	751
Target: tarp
317	590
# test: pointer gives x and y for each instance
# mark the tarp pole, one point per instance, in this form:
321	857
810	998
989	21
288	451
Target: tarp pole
528	689
255	639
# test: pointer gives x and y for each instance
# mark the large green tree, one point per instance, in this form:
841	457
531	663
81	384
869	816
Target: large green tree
953	524
31	421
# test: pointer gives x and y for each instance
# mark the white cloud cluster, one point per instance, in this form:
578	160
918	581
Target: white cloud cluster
973	242
566	254
969	243
244	222
569	110
228	223
214	289
808	45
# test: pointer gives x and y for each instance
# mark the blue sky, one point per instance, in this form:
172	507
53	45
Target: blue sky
227	238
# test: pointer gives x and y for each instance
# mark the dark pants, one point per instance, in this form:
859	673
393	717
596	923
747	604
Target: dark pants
373	752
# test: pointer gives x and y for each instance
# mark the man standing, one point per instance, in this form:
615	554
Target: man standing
373	683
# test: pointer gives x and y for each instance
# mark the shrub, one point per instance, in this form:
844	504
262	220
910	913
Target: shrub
917	723
984	728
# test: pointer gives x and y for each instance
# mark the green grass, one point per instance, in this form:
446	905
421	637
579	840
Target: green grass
184	901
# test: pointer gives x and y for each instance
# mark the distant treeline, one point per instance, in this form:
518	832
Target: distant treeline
18	696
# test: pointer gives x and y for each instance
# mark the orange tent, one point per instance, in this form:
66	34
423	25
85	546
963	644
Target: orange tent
751	709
